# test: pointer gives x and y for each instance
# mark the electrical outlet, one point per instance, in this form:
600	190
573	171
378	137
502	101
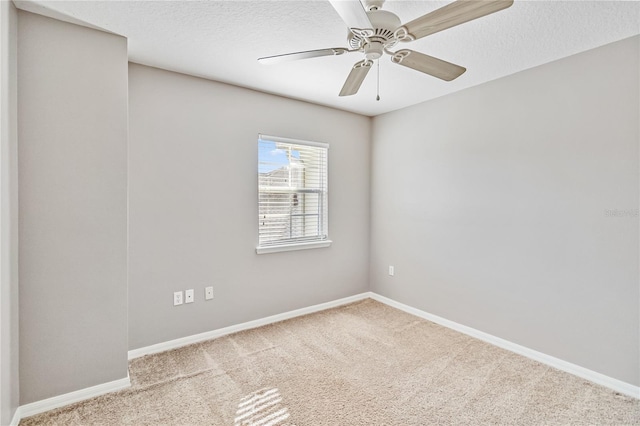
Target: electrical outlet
208	293
177	298
391	270
188	296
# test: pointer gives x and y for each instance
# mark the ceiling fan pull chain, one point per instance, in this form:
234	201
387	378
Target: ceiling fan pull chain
378	92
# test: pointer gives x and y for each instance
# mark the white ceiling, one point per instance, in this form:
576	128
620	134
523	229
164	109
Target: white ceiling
221	40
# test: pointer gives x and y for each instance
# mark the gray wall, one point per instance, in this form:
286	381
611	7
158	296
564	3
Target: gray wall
493	204
72	125
193	206
9	376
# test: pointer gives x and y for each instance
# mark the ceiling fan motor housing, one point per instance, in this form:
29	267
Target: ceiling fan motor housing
373	4
384	24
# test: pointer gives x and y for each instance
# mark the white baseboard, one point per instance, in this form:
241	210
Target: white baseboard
16	418
183	341
61	400
576	370
38	407
58	401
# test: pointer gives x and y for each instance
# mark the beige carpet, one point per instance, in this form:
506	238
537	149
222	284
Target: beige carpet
360	364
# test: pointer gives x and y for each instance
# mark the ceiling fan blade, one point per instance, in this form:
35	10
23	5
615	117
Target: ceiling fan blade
302	55
353	14
356	77
428	64
453	14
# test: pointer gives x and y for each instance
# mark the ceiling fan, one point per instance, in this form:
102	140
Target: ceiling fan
374	32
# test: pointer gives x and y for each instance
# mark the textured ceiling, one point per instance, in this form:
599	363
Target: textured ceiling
221	40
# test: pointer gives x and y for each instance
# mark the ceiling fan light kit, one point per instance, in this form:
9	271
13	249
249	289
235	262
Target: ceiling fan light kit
374	32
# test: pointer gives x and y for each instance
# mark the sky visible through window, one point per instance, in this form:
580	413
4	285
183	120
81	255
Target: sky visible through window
270	157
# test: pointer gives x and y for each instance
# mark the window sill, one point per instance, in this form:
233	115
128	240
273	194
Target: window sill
292	247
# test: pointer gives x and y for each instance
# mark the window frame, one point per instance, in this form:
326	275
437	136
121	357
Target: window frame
288	245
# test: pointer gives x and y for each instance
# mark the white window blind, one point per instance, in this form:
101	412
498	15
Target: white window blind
292	200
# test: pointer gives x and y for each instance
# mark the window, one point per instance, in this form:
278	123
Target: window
292	194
